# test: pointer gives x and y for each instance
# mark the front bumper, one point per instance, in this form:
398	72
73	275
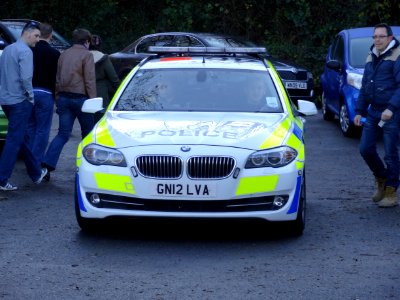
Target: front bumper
232	197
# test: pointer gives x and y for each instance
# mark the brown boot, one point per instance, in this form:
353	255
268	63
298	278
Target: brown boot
380	189
390	198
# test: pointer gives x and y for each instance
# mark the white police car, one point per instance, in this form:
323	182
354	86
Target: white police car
196	133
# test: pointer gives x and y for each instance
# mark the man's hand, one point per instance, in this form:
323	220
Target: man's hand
386	115
357	120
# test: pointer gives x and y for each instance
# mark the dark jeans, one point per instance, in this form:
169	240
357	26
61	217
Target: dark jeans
18	116
37	135
68	110
390	134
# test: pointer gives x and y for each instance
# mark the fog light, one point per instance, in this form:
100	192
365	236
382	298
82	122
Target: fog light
94	199
279	201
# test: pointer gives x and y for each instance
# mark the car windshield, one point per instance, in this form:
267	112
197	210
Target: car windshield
200	90
359	50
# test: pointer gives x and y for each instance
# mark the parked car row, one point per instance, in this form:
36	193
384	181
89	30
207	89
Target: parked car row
340	80
342	75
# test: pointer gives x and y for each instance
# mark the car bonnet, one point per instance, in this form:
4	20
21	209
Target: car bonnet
242	130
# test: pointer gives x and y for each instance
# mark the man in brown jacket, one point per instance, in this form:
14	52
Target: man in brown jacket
75	82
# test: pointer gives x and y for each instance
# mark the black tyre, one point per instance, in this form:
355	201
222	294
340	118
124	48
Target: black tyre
326	113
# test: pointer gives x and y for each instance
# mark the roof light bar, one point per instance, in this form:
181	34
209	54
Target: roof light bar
208	50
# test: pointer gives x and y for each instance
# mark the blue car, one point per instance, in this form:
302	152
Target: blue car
343	71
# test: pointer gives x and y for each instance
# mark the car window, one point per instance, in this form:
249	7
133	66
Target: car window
338	50
57	41
4	37
217	41
159	40
200	90
359	50
185	41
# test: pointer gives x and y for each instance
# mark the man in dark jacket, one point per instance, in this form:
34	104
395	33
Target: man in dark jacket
379	102
45	60
75	82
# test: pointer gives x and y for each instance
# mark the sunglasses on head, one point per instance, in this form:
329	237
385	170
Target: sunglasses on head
31	25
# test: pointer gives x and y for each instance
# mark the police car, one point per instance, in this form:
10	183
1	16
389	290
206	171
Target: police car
196	133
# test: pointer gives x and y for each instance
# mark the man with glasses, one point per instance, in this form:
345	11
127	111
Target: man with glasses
16	99
379	102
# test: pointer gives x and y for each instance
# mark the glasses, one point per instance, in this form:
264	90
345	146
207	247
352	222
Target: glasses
375	37
31	25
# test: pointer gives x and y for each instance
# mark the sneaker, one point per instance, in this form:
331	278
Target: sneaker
43	174
8	187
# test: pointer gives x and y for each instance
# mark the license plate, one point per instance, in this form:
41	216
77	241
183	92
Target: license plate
296	85
203	190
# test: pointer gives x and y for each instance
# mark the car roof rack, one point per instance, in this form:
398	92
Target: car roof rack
207	50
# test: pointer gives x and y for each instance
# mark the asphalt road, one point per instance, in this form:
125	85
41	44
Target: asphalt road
350	248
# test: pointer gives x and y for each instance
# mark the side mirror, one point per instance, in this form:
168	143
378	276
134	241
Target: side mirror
306	108
334	65
92	105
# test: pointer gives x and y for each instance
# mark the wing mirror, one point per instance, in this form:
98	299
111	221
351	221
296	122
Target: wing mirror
306	108
334	65
92	105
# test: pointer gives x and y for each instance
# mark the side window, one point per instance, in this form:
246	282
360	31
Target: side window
4	41
338	49
159	40
180	41
144	44
194	42
333	49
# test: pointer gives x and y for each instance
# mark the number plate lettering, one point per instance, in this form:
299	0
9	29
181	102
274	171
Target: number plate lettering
296	85
178	189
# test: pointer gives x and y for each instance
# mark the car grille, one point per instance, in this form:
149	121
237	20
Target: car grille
160	166
289	75
198	167
210	167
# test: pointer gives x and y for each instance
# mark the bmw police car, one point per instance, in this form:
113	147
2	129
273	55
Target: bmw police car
196	133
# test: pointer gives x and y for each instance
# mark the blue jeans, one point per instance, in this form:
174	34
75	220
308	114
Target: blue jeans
18	116
390	134
37	135
68	110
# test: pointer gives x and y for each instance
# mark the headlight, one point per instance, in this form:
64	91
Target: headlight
275	158
354	80
99	155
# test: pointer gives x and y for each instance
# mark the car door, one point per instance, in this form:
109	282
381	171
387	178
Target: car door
334	76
